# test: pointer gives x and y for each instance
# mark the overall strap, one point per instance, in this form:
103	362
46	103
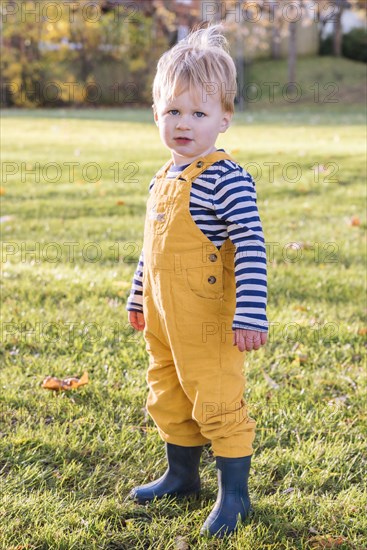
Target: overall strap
201	164
163	171
197	167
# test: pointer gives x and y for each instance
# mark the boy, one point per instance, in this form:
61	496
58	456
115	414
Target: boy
201	275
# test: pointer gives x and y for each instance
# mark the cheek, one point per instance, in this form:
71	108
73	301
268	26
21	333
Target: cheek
164	132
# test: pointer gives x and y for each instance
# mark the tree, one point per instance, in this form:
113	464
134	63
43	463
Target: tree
72	54
269	18
332	11
340	6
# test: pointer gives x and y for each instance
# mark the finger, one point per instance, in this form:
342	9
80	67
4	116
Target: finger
257	341
249	343
264	337
240	341
132	318
135	319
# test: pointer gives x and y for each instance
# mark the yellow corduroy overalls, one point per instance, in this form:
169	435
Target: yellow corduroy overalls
195	375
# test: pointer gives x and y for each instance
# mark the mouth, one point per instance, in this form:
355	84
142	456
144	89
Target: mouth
183	140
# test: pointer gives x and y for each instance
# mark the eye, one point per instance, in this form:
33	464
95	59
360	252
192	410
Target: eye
199	114
173	112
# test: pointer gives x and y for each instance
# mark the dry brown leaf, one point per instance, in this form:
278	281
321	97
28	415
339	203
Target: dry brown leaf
322	541
300	358
355	221
362	331
120	203
2	191
58	384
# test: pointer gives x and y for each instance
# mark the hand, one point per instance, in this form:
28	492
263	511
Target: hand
248	340
136	320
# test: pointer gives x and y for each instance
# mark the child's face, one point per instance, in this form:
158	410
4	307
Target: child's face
190	123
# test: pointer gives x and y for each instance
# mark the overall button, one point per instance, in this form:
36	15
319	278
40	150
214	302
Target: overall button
212	279
213	257
199	164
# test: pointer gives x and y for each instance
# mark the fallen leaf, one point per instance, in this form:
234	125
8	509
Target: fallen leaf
354	221
301	308
306	245
300	358
2	191
57	384
362	331
120	203
321	541
181	543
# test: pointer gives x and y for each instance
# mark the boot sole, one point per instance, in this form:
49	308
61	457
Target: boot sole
195	495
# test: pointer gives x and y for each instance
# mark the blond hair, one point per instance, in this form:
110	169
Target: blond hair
201	61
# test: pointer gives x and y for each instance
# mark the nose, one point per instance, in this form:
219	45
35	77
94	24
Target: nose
183	123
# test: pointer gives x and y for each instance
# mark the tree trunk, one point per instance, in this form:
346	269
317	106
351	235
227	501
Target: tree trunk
292	51
240	65
338	31
275	33
275	42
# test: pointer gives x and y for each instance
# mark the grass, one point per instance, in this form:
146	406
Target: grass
68	461
321	82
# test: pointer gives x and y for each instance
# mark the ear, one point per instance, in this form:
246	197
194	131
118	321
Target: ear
155	114
226	121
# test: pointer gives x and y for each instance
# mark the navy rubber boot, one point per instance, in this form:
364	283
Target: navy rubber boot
233	502
180	479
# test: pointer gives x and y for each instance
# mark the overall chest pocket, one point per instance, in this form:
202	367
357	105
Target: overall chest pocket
159	210
205	282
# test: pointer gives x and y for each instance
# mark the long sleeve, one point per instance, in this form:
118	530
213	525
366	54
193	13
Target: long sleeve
235	203
135	299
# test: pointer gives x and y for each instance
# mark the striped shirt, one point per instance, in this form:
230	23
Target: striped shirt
223	204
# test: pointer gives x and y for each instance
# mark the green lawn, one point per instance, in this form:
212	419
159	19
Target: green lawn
323	82
70	246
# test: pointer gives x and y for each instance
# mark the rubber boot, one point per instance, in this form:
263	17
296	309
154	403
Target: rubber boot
233	502
180	479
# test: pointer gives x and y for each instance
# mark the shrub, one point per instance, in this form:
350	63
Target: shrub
354	44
